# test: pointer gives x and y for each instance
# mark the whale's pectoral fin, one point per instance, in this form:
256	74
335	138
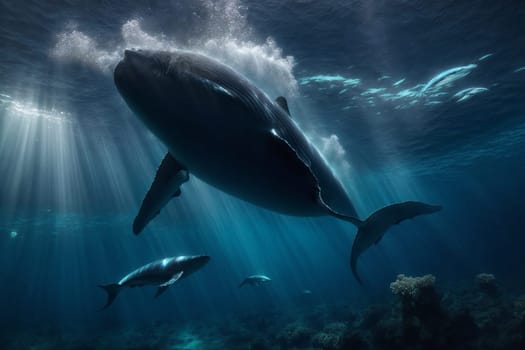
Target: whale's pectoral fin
162	287
171	174
356	251
281	101
172	280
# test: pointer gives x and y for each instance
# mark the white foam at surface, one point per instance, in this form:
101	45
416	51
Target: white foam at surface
135	37
77	46
263	63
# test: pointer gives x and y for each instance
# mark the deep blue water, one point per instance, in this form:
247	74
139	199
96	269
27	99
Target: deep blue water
363	81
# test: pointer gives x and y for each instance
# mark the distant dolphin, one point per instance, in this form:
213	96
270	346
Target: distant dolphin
372	229
255	280
219	126
162	273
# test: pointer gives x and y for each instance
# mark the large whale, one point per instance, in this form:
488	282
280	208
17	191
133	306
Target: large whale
161	273
220	127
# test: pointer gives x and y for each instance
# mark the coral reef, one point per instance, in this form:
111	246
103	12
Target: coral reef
325	341
519	307
420	303
330	337
294	335
417	316
412	286
487	284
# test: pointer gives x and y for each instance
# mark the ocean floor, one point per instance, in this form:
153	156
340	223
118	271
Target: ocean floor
480	315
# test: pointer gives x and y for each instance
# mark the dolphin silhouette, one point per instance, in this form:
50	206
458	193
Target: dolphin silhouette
255	280
220	127
161	273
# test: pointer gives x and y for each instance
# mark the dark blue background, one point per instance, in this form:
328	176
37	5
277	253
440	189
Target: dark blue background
71	190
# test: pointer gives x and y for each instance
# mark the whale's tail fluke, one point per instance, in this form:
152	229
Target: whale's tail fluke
376	225
112	289
353	263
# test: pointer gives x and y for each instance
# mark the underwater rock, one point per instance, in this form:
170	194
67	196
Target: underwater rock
331	336
326	340
259	344
354	341
372	315
459	329
294	335
387	334
418	297
336	328
418	318
411	286
421	318
519	307
487	284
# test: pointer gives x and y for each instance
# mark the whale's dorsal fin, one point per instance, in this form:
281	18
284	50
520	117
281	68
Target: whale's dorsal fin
171	174
281	101
162	287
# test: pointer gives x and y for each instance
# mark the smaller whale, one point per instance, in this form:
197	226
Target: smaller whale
162	273
255	280
373	229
